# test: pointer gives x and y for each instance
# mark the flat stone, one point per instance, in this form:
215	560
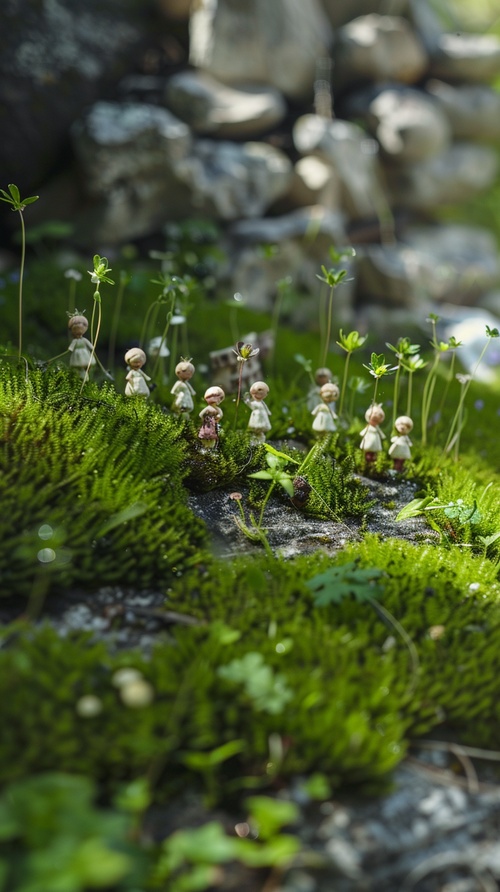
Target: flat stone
378	48
466	57
209	106
472	110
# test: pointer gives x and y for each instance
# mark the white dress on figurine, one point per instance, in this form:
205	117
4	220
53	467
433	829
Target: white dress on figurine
259	417
372	438
137	383
400	447
324	421
183	393
82	356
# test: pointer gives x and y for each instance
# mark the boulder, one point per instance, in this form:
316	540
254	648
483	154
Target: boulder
210	107
230	180
392	276
55	59
473	111
407	123
466	57
351	153
254	41
315	182
461	172
378	48
341	11
128	154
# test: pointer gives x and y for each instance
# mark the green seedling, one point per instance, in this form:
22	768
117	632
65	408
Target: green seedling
403	350
411	365
331	277
18	204
98	276
349	342
440	348
378	368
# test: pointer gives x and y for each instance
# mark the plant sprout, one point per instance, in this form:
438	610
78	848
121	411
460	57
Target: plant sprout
18	204
440	347
332	277
97	276
404	349
243	353
350	342
412	364
378	368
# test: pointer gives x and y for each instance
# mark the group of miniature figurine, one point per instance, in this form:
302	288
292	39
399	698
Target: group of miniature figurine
321	400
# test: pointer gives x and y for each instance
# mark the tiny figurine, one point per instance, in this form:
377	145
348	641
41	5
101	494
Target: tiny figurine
321	376
182	390
371	436
259	422
324	415
400	449
211	416
137	380
82	352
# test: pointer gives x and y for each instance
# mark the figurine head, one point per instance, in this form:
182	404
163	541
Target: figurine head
375	414
135	358
322	376
214	395
78	325
329	393
403	424
184	370
259	390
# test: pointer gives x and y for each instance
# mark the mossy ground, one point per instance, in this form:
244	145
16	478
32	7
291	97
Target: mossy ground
266	685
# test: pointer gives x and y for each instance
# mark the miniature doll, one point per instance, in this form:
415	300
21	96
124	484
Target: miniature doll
82	357
182	390
400	449
211	416
259	422
321	376
324	415
137	380
371	436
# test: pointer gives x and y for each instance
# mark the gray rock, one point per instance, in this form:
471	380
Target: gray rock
425	19
128	154
302	239
232	180
408	124
56	58
378	48
462	172
466	57
352	154
473	111
392	275
315	182
464	259
254	41
341	11
211	107
175	10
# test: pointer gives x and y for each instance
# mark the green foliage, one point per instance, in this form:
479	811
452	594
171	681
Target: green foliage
53	837
267	691
342	582
103	473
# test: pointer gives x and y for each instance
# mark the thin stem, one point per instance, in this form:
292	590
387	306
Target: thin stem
328	327
463	394
145	323
114	324
173	354
344	382
410	393
21	276
427	397
266	499
396	395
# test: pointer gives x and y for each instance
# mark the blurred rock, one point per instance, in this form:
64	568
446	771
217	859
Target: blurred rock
473	111
462	172
128	154
378	48
353	156
423	14
341	11
254	41
176	10
211	107
56	58
408	125
392	276
466	57
315	182
232	180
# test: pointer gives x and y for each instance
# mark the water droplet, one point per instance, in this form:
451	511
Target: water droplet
46	555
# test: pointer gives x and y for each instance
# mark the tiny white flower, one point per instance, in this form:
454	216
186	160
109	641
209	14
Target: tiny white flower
137	694
474	587
88	706
125	676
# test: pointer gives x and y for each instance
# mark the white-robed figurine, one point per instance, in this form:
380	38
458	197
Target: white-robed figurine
324	414
258	423
182	390
321	376
211	416
371	435
137	380
401	443
82	357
